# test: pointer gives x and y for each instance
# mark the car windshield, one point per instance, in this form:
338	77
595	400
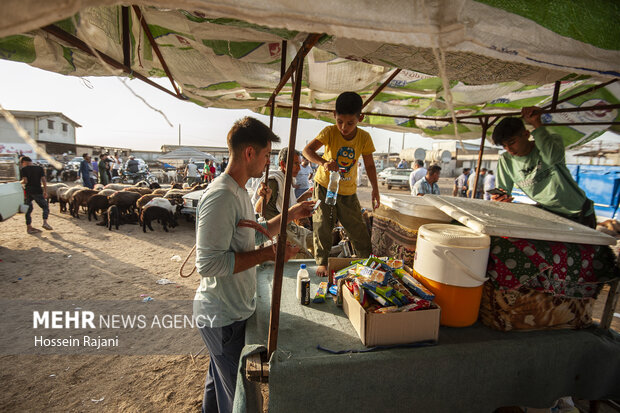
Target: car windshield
77	159
401	172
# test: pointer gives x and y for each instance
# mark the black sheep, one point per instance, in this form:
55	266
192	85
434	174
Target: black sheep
114	217
163	215
97	203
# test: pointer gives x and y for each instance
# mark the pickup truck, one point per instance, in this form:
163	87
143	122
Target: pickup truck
11	191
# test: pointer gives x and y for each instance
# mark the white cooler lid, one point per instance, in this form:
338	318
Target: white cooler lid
414	206
454	236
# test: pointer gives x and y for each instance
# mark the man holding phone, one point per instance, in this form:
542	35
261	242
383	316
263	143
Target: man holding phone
538	168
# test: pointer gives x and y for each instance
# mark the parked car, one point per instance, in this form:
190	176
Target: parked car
190	202
383	174
11	191
398	178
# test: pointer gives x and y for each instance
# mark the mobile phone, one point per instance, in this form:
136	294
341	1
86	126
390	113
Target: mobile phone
496	191
316	206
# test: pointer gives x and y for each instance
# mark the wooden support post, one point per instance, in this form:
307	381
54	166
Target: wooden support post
556	94
610	304
79	44
380	88
274	315
125	34
485	126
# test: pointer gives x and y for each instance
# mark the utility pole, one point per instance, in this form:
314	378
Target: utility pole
403	147
179	135
389	149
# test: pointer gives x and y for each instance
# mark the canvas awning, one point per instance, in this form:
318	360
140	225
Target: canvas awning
497	55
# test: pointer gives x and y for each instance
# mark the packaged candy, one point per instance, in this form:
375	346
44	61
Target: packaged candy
396	284
390	309
369	275
343	272
419	304
320	294
382	301
394	263
414	285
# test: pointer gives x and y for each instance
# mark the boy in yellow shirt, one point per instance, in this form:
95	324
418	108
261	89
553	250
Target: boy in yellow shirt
344	143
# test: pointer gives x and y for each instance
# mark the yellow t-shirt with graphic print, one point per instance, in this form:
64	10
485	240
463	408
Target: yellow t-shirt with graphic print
346	153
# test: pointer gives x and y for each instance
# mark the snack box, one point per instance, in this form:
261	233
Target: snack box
375	329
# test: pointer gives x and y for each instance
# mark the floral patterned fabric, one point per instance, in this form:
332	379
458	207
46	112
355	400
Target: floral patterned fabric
561	269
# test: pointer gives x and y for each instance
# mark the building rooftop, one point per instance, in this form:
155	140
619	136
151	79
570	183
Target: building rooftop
37	114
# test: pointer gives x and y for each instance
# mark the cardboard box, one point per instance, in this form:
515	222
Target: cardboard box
375	329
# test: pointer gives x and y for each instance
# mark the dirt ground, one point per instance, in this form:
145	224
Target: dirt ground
79	260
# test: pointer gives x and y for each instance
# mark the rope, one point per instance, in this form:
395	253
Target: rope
242	223
185	262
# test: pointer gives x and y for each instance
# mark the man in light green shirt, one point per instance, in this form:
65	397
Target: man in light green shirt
226	257
538	168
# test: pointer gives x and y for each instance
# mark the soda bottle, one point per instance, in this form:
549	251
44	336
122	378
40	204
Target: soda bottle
301	275
332	188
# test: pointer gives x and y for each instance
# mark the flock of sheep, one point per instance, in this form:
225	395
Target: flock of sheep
122	204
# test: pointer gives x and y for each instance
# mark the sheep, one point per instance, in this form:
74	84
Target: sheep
125	200
116	187
107	192
139	190
162	203
160	191
175	196
98	187
78	199
156	213
52	191
114	217
64	196
145	199
98	202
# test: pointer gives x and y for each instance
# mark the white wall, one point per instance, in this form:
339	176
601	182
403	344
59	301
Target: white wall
56	134
8	133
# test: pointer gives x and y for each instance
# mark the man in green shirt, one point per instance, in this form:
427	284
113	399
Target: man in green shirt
538	168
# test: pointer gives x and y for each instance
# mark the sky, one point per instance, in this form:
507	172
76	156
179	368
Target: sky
111	115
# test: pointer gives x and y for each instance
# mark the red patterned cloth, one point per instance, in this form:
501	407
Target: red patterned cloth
562	269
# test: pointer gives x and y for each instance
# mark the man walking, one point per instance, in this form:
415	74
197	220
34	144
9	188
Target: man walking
86	172
32	178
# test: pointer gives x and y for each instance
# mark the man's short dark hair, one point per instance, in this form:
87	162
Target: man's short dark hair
419	162
283	155
349	103
484	170
25	159
84	155
433	169
249	131
507	129
465	170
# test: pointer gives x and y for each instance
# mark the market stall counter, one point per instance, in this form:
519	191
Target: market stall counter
469	369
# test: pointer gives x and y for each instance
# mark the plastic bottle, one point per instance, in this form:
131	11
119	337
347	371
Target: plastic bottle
332	188
301	274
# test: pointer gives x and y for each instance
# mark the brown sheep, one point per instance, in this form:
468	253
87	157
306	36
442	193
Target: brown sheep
107	192
145	199
160	191
78	199
96	203
139	190
175	196
64	196
125	200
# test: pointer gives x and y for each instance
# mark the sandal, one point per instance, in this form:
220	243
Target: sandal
47	227
33	231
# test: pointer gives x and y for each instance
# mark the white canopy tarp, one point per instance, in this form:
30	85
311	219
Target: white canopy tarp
498	55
